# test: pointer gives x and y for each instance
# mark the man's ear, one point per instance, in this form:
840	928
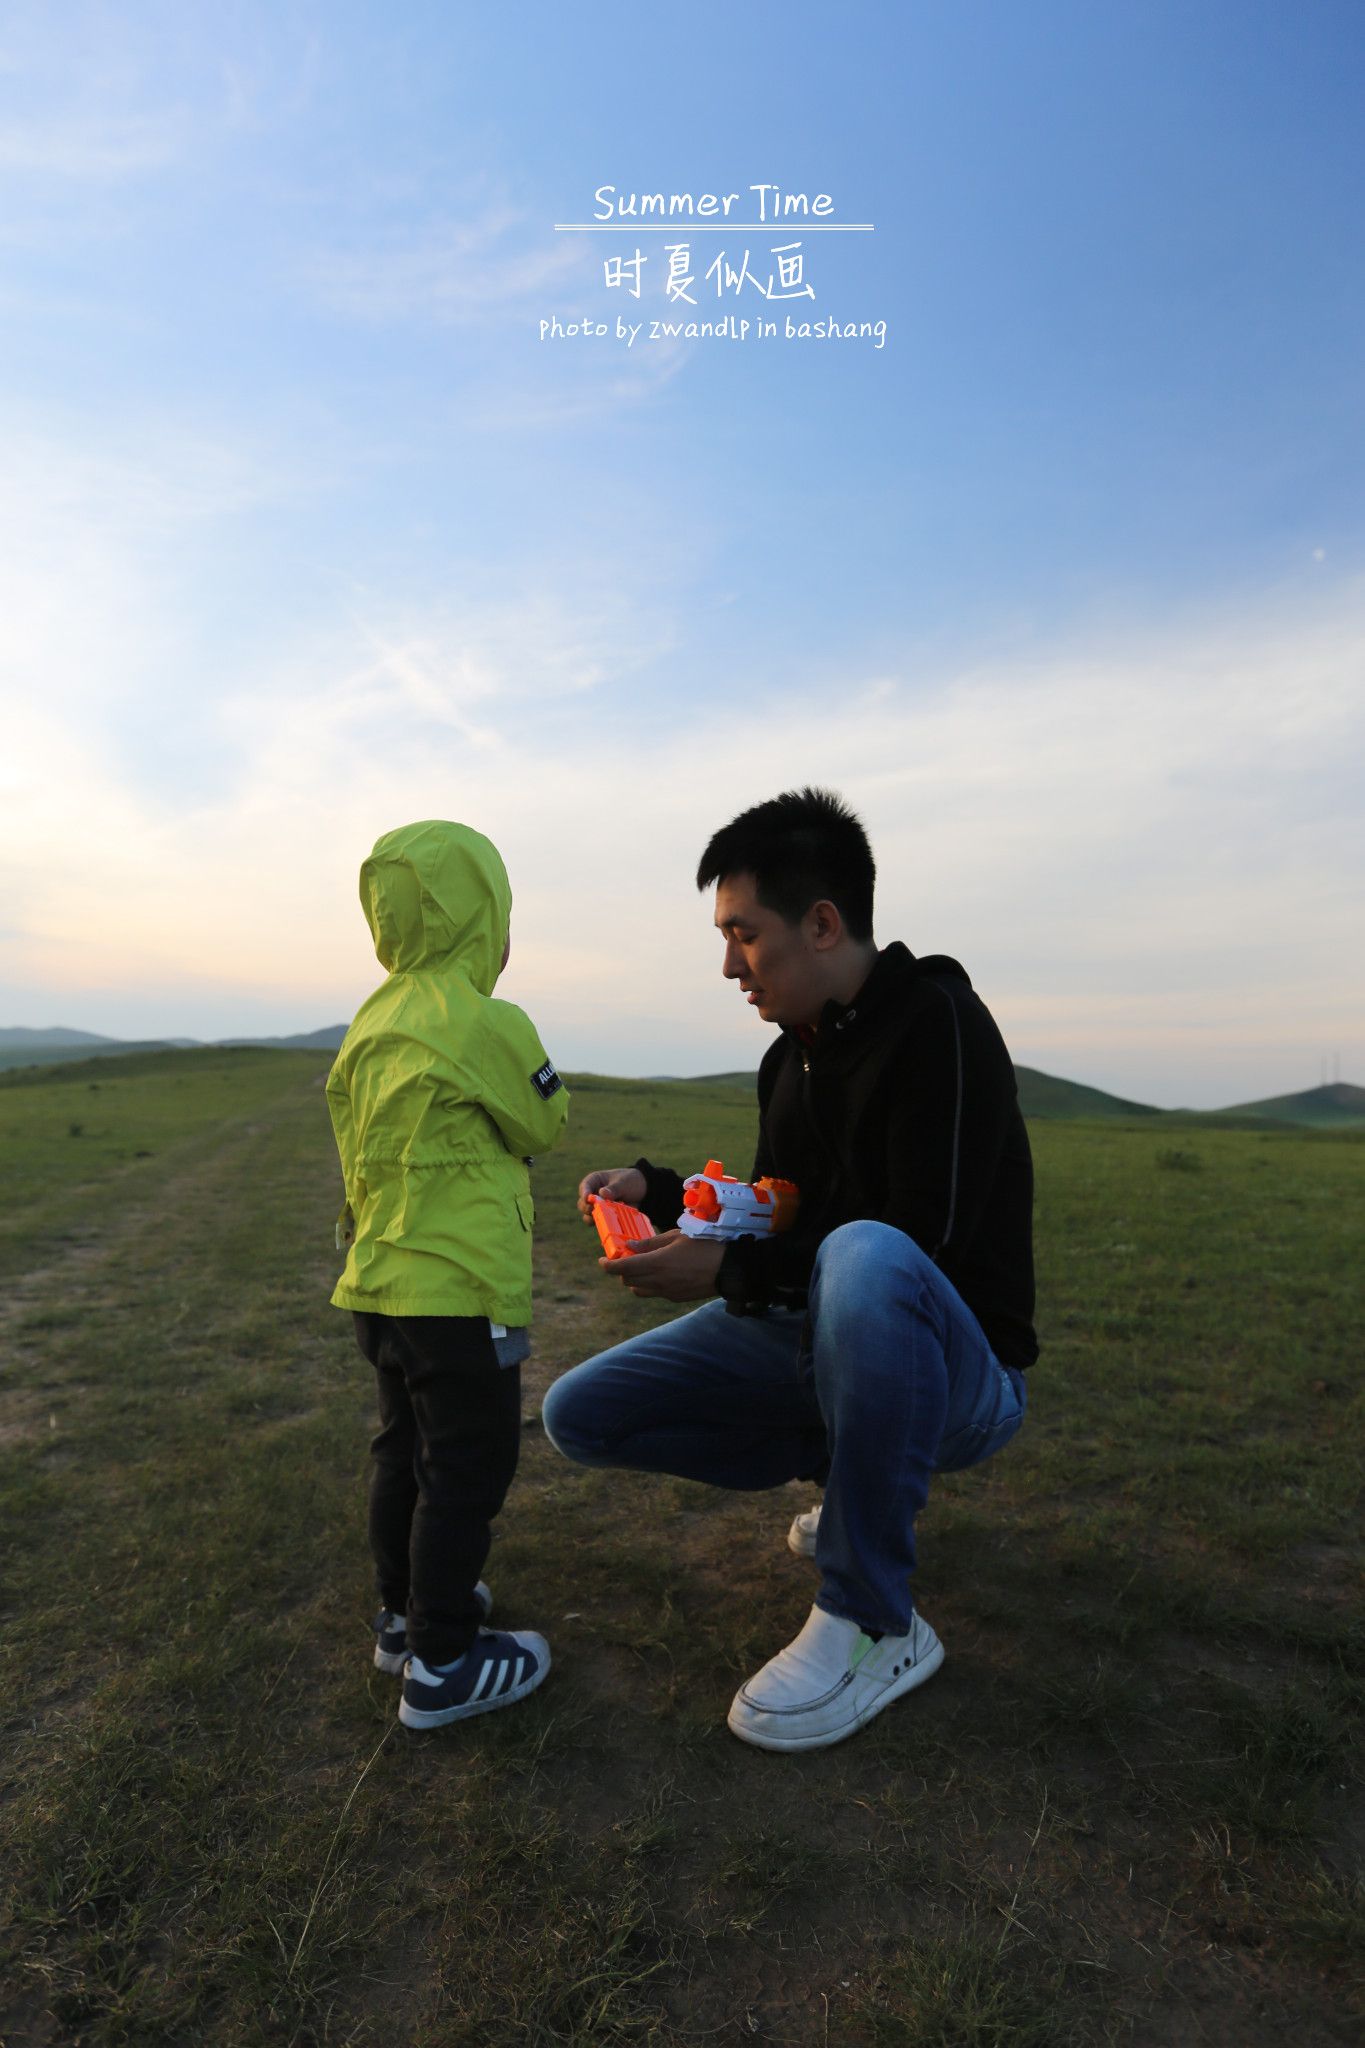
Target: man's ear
824	925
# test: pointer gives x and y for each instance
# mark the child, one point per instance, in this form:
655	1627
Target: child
438	1097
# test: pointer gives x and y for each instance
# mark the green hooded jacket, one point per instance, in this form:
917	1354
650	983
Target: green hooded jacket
440	1093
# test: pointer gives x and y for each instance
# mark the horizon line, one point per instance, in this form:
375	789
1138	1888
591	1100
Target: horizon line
186	1043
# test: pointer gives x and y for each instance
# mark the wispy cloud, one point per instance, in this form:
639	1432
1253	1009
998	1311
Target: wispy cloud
100	540
1144	849
153	471
497	271
94	147
452	273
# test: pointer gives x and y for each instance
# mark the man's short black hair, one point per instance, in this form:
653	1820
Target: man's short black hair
801	848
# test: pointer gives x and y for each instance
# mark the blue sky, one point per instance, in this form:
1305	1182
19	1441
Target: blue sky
307	531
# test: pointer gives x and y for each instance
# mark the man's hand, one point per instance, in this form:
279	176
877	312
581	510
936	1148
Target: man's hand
617	1183
670	1267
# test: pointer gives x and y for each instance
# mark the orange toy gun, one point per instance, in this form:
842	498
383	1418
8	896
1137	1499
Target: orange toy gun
619	1225
715	1204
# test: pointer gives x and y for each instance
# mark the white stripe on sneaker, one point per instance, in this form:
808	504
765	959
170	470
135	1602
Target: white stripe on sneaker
497	1681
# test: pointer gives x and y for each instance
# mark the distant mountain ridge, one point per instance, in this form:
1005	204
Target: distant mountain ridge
1338	1105
23	1046
52	1034
1045	1095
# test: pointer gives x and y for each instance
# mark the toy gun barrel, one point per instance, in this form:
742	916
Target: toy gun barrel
701	1200
715	1204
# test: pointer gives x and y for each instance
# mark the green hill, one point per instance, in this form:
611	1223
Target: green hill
50	1034
747	1081
1040	1095
44	1052
1044	1095
1337	1106
327	1039
22	1047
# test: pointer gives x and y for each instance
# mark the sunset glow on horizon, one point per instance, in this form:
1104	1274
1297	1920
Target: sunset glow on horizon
306	533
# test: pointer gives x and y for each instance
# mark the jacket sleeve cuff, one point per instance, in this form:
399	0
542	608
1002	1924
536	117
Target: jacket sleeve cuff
756	1274
743	1279
663	1194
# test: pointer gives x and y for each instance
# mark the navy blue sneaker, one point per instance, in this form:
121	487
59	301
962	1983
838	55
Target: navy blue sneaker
391	1634
496	1670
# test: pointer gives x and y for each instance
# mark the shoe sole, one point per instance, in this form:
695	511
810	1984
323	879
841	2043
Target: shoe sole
762	1738
441	1717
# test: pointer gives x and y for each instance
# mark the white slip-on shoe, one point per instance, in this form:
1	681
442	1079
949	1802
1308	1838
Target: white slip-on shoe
802	1533
829	1681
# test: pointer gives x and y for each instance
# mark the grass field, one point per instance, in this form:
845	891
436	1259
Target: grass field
1129	1810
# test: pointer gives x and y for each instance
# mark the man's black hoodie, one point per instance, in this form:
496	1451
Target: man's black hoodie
901	1106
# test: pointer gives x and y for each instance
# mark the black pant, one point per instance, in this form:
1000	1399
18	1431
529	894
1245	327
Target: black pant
450	1431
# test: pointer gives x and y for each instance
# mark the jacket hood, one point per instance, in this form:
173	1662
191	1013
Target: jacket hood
939	964
437	892
892	972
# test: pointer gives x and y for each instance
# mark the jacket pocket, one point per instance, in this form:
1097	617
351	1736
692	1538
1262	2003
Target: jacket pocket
526	1209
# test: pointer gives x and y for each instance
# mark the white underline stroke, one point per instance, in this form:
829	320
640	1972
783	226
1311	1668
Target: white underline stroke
713	227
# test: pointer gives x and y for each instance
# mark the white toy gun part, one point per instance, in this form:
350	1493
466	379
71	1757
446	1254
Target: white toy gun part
717	1205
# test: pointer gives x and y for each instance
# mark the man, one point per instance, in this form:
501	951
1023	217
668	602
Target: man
885	1336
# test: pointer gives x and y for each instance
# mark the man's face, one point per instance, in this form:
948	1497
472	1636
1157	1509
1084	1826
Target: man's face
774	962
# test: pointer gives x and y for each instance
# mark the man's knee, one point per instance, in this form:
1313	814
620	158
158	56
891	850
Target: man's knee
564	1417
863	1257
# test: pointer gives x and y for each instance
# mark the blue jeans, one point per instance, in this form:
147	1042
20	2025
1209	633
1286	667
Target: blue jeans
886	1378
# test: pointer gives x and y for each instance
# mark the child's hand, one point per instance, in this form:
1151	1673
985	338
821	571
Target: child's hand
617	1183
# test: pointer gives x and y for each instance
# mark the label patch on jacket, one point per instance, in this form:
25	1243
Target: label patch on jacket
547	1082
